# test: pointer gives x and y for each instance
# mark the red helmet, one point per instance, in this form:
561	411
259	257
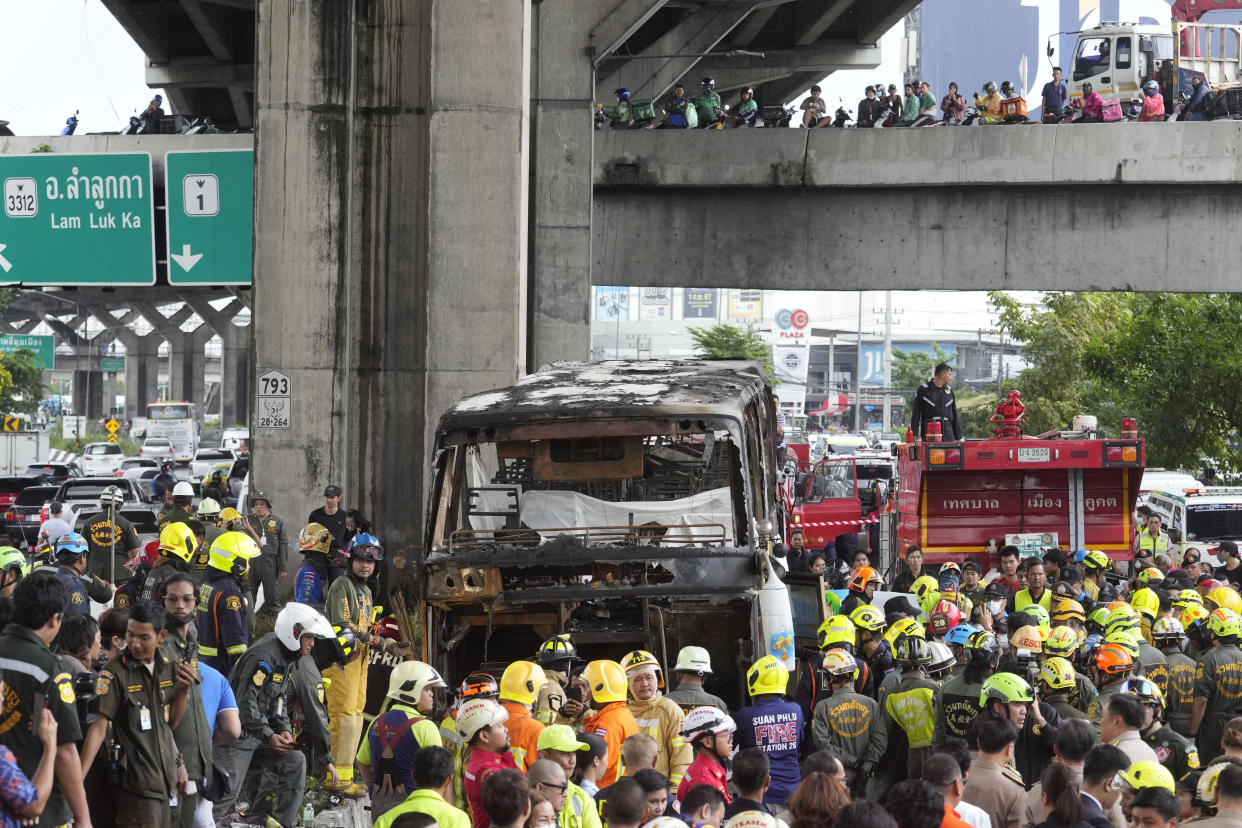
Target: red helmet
1206	586
387	627
150	553
862	576
945	616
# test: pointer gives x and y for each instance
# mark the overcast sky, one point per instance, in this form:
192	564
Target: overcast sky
62	55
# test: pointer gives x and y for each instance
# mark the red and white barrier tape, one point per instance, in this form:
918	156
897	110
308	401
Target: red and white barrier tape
875	518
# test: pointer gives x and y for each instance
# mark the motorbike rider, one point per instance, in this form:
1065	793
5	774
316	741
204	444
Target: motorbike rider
747	111
1153	102
815	110
1091	104
953	105
707	104
1199	107
989	104
676	108
871	109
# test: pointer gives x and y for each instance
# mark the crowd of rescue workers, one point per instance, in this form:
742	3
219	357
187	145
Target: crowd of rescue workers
1055	691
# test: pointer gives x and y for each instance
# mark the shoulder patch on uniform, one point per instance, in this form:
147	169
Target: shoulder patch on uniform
102	683
121	600
232	603
278	677
1192	757
601	731
259	678
64	685
77	598
1013	776
319	692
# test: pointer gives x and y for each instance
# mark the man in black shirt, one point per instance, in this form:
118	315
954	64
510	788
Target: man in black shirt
934	402
331	516
871	109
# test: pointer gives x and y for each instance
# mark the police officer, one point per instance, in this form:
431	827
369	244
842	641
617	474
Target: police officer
959	697
1175	752
36	679
183	496
1152	541
192	734
1218	683
112	538
176	550
260	682
843	720
273	561
71	555
142	694
934	402
222	611
309	692
13	567
693	665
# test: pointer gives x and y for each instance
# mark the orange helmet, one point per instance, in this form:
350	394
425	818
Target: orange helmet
863	576
1113	660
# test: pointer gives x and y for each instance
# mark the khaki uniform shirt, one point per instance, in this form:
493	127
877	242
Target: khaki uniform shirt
998	790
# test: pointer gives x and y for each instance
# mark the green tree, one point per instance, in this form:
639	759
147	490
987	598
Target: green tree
913	368
731	342
21	382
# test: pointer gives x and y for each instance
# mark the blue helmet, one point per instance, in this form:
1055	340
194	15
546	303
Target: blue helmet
70	547
622	94
959	634
1080	556
365	547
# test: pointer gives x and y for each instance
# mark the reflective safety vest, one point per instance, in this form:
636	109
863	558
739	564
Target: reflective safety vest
1156	545
1022	600
579	810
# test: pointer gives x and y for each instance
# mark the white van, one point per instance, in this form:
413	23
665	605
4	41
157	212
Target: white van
1201	517
235	439
1166	480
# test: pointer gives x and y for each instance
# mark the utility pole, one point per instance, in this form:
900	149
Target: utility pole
858	369
888	356
832	355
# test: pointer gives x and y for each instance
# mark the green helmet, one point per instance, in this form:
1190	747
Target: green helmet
11	558
1006	688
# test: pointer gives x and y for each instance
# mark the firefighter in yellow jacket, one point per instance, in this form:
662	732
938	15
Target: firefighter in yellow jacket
658	717
349	606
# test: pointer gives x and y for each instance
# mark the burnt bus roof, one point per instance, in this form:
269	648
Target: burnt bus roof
614	388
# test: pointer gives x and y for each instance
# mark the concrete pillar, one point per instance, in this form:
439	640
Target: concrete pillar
88	393
235	382
391	178
142	368
563	161
186	364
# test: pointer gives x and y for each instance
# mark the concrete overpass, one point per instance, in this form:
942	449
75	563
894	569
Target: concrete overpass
1122	206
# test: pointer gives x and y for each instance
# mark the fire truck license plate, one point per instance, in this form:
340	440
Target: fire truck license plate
1034	454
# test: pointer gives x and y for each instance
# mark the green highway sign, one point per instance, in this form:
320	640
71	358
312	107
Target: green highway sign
210	198
77	219
44	347
112	364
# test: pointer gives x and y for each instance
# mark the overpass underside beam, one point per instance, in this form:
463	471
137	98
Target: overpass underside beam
1059	237
822	60
655	70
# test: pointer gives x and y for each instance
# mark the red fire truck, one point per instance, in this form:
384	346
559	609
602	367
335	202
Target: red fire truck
1070	489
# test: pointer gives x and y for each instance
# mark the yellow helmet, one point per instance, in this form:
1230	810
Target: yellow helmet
229	514
638	662
1123	618
1224	623
232	552
1224	598
1146	603
177	540
922	585
521	682
315	537
767	676
1149	774
1062	642
1186	597
836	630
928	602
1041	616
1027	638
902	628
1057	673
1193	615
606	680
1067	609
1150	576
868	618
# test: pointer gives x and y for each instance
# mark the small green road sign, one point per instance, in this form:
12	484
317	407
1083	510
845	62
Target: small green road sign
210	198
112	365
43	346
77	219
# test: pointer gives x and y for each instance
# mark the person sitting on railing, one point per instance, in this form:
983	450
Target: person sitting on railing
1153	102
1091	104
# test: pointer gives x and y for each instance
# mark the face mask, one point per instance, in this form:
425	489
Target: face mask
994	607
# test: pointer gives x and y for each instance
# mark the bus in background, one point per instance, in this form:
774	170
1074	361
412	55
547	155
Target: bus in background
174	420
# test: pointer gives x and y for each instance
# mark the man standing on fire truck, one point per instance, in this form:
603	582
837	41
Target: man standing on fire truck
934	403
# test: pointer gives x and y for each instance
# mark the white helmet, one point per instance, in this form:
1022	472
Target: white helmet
297	620
942	659
753	819
479	714
409	679
694	660
703	720
183	489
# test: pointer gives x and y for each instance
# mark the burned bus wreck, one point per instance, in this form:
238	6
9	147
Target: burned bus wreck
630	504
